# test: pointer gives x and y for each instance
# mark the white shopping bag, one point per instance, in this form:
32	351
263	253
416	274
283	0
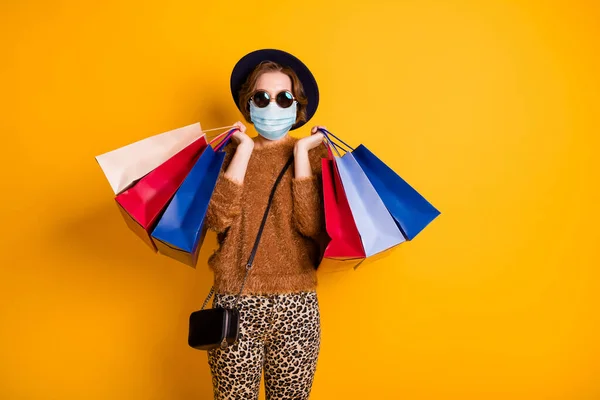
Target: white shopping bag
377	228
125	165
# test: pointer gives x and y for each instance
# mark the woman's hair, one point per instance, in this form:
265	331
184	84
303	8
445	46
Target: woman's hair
249	87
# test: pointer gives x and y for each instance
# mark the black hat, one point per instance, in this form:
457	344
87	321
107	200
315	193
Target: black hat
248	63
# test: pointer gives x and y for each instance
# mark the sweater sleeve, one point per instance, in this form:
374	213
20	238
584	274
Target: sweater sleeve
309	215
225	203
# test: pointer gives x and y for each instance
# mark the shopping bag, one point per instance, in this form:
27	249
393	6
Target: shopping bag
126	165
142	204
344	237
409	208
181	229
378	230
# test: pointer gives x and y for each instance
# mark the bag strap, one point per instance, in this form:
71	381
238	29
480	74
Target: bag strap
326	133
258	236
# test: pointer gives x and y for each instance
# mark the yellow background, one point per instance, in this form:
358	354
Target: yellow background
489	108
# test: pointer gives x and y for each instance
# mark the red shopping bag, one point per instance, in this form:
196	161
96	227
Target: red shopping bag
142	204
345	243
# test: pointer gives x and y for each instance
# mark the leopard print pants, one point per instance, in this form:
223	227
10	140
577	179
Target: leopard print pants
280	333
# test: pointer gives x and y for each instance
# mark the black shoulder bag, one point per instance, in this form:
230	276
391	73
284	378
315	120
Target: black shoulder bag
219	327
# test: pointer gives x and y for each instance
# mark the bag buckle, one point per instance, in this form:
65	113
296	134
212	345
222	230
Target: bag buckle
224	343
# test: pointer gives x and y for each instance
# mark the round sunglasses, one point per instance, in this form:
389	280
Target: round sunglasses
262	98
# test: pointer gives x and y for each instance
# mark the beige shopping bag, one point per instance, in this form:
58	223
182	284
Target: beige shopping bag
126	165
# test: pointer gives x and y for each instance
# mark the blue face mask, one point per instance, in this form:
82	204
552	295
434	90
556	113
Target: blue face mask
273	122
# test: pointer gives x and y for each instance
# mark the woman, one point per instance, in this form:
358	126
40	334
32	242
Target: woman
279	311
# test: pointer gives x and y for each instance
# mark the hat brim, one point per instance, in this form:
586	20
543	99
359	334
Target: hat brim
248	63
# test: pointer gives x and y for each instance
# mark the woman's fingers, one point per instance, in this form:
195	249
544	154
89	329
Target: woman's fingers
315	129
241	138
240	126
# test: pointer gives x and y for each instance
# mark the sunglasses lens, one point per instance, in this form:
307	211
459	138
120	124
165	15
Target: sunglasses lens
261	99
285	99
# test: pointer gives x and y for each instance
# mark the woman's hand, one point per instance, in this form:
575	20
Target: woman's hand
240	137
236	171
301	149
310	142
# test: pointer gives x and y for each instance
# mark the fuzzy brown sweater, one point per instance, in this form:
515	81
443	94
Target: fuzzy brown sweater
289	248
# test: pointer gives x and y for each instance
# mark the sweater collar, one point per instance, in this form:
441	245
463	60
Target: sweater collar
283	144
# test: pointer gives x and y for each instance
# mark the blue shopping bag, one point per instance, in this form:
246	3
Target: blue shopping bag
408	207
378	230
180	230
411	211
